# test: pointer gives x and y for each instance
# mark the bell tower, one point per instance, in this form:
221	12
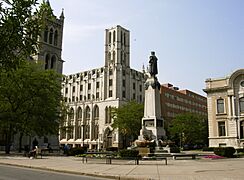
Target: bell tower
50	41
117	47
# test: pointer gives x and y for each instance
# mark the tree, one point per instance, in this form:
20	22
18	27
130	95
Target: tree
127	119
29	101
21	24
189	129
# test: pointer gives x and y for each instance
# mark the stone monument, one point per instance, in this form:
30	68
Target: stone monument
152	122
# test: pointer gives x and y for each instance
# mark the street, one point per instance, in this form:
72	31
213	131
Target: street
18	173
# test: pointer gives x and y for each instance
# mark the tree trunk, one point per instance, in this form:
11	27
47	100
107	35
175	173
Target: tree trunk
7	141
20	142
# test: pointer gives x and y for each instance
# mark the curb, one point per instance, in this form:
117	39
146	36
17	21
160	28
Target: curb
74	172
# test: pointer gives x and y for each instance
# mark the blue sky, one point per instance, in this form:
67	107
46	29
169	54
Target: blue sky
193	39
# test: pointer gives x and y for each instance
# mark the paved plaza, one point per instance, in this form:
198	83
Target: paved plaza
182	168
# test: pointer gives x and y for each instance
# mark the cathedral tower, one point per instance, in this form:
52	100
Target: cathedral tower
50	42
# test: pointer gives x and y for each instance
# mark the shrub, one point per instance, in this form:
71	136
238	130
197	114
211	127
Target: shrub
207	149
112	149
128	153
76	151
224	151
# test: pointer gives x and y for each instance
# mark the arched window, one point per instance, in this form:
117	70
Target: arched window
51	36
87	115
220	105
108	115
56	38
96	112
53	62
79	123
47	59
241	101
114	36
46	34
109	37
79	113
87	124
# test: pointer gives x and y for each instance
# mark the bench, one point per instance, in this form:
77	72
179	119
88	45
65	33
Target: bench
174	155
108	159
156	158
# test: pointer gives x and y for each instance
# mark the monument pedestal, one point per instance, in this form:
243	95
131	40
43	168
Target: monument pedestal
152	122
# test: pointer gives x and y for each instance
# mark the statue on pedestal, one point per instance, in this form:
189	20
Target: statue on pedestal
153	68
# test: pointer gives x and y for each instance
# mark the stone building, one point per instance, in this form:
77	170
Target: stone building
175	101
225	97
91	94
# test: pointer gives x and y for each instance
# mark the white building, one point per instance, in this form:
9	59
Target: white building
225	98
91	94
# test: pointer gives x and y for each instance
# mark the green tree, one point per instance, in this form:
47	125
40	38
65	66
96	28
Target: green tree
21	24
29	101
127	119
189	129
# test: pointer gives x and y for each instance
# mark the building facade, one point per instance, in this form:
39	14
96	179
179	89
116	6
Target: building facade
91	94
225	98
175	101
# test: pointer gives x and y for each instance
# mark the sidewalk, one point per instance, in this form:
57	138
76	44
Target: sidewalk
176	169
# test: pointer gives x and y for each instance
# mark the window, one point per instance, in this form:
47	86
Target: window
110	82
96	112
108	114
47	61
241	101
123	94
46	34
89	86
123	72
110	93
110	72
79	113
53	62
109	37
114	36
220	106
123	83
221	127
51	36
97	84
97	95
56	38
124	38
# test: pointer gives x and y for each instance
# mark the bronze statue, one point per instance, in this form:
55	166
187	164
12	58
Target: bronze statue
153	68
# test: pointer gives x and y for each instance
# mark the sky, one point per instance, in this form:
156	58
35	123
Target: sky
193	39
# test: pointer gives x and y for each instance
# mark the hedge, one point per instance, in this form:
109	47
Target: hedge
224	151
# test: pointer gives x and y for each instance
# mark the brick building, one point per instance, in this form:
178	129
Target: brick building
175	101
